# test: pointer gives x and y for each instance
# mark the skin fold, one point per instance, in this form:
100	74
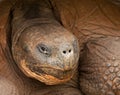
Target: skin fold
40	55
66	47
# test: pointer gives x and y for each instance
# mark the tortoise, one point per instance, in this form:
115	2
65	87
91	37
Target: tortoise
52	47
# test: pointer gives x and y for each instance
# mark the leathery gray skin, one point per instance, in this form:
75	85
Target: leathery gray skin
41	56
45	56
42	48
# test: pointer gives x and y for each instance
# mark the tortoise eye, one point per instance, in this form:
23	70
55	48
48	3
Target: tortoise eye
44	49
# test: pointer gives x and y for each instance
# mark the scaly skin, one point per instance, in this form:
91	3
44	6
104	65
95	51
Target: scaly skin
96	25
38	56
100	67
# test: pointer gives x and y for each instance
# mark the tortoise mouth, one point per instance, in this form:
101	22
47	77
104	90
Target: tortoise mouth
57	73
47	75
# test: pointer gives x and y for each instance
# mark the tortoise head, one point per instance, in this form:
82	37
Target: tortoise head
46	52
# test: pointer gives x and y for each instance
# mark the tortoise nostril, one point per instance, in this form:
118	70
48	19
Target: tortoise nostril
64	52
69	50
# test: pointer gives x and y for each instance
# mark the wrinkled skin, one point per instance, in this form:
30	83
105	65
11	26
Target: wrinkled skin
39	52
43	54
